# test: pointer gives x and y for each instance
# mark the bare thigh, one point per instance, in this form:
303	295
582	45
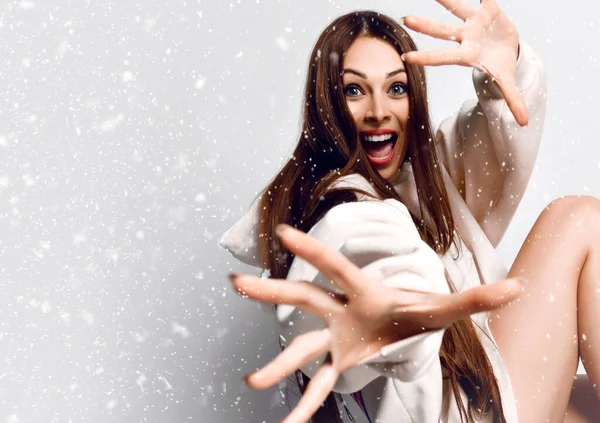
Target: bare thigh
538	334
584	406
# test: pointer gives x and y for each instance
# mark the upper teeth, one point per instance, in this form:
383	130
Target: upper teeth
377	138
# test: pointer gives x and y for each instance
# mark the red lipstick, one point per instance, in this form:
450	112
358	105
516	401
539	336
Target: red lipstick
378	131
387	159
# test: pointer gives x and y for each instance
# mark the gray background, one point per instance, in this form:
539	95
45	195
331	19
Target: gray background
133	133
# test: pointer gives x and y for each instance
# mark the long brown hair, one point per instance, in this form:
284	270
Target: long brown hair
329	148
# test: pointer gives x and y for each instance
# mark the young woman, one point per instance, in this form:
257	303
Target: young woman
410	333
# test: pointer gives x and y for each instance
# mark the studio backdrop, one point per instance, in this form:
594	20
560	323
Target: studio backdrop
134	133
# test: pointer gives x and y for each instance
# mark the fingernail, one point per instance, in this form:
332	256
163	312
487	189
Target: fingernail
402	57
256	375
280	229
233	278
523	281
402	20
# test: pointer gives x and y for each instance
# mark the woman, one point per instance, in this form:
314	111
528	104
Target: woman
365	180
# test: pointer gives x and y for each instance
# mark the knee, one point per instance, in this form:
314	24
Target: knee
578	209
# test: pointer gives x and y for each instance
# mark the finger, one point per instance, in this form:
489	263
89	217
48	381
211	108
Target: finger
492	296
434	29
451	56
443	310
514	101
309	297
508	88
303	349
458	8
316	391
332	264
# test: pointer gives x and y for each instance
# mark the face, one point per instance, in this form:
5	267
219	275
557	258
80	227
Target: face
376	90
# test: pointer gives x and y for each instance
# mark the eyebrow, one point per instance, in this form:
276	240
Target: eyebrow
362	75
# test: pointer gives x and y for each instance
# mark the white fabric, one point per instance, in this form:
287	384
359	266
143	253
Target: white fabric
488	160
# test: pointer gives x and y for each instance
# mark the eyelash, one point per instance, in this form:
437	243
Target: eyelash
400	84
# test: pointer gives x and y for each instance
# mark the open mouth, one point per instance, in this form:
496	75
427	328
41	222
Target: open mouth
379	148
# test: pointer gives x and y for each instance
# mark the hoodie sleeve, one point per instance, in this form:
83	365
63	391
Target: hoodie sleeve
487	154
381	238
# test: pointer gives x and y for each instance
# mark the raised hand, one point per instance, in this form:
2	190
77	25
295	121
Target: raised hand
488	41
359	323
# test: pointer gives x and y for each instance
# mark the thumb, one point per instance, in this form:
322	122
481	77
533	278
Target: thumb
514	101
449	308
508	88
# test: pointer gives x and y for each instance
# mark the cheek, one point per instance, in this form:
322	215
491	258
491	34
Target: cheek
403	115
402	112
355	109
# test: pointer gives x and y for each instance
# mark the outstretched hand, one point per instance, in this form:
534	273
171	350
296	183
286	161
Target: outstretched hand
368	316
488	40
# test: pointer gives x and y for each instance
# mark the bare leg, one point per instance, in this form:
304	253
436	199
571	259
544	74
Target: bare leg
538	335
584	406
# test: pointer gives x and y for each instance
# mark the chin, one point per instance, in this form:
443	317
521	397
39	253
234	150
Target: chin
390	170
387	174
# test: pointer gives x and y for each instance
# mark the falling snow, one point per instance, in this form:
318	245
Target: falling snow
200	82
282	43
131	139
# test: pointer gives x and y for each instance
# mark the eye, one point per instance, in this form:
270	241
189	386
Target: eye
398	88
352	90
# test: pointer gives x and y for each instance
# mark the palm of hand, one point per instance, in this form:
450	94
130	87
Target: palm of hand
374	318
493	41
362	320
488	40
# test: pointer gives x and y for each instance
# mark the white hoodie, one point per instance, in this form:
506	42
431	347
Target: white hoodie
488	159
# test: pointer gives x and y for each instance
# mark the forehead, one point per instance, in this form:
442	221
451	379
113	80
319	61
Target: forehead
372	56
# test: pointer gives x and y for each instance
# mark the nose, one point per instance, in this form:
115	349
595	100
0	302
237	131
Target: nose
377	110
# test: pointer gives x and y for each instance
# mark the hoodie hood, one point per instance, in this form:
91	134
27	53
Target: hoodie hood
241	240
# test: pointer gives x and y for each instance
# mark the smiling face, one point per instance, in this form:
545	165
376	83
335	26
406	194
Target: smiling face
376	91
